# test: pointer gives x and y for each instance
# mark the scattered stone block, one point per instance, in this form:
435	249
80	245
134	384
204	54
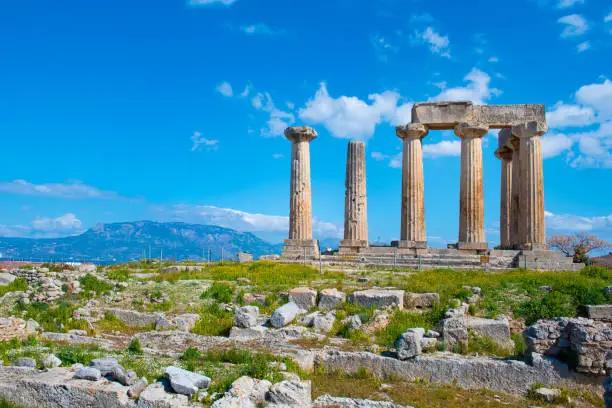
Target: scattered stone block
88	373
324	322
155	395
607	290
245	392
378	298
246	316
289	393
600	312
327	401
548	394
354	322
432	334
139	386
429	343
305	298
6	278
251	332
454	332
284	314
186	382
25	362
545	288
420	300
51	361
331	298
250	298
409	343
497	330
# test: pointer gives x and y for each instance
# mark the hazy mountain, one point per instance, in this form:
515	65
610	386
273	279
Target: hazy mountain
130	240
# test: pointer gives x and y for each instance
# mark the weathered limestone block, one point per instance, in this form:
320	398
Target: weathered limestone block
378	298
186	382
250	332
429	343
454	332
600	312
497	330
6	278
14	327
245	392
75	339
290	394
331	298
548	394
324	322
51	361
409	343
327	401
305	298
442	115
246	316
420	300
25	362
133	318
284	314
155	396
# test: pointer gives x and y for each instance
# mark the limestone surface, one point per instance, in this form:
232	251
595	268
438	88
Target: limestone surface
284	314
409	343
246	316
305	298
331	298
186	382
378	298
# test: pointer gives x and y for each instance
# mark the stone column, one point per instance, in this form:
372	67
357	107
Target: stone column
532	184
471	201
412	233
516	234
505	208
300	243
355	202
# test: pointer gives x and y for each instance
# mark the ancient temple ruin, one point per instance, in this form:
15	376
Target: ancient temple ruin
522	224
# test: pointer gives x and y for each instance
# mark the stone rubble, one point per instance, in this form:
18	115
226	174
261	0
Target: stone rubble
246	316
305	298
331	299
378	298
289	393
285	314
186	382
409	343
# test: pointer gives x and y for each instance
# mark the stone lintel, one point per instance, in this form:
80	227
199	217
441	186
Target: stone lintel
300	133
445	115
480	246
409	244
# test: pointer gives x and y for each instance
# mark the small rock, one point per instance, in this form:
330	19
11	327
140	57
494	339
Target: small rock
186	382
88	373
354	322
138	387
246	316
432	333
545	288
51	361
76	367
78	332
331	298
6	278
548	394
409	343
284	314
305	298
290	394
429	343
25	362
324	322
607	290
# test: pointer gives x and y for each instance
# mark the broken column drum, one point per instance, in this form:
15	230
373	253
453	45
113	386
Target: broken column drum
355	201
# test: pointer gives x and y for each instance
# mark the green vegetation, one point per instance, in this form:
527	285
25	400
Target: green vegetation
485	346
134	347
19	284
121	275
221	292
77	354
6	404
54	318
214	321
401	320
89	284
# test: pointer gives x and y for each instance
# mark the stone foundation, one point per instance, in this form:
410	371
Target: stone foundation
301	249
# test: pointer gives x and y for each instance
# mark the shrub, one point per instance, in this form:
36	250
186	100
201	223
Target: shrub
121	275
55	318
547	306
76	354
594	271
89	283
219	291
135	347
19	284
214	321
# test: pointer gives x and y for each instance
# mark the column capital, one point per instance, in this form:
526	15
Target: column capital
300	133
529	129
411	131
504	154
471	130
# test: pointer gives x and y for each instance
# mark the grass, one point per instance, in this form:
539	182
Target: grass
121	275
110	322
7	404
484	346
90	283
18	285
221	292
214	321
401	320
54	318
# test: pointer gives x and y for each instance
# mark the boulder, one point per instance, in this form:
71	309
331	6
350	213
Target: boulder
289	393
548	394
305	298
251	332
600	312
377	298
250	298
155	396
324	322
6	278
409	343
497	330
331	298
429	343
245	392
284	314
246	316
139	386
607	290
420	300
454	332
186	382
88	373
25	362
185	322
51	361
113	371
432	333
354	322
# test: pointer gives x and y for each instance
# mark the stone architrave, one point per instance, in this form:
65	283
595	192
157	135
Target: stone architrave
355	202
471	201
412	234
300	243
532	222
504	153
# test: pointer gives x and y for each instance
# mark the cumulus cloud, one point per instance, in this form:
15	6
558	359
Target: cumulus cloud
598	96
568	3
210	2
199	142
583	46
437	43
240	220
575	25
443	148
608	18
225	89
261	29
477	90
278	119
574	223
349	117
555	144
72	189
563	115
45	227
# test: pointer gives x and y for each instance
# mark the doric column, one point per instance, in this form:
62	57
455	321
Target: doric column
300	242
413	200
355	202
471	201
516	233
532	184
505	208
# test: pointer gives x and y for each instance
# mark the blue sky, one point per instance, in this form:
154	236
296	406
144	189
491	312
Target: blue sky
127	110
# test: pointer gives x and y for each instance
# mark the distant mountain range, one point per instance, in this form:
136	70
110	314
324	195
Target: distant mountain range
126	241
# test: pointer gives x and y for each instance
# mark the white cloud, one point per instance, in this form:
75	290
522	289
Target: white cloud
71	189
278	120
576	223
443	148
477	89
608	18
240	220
277	156
261	29
225	89
493	59
211	2
438	44
349	117
568	3
382	47
575	25
44	227
555	144
563	115
378	156
599	96
247	90
200	142
583	46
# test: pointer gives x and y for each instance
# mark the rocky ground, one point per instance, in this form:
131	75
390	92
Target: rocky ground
267	334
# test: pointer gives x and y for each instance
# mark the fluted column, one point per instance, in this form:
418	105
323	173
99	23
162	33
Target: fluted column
300	242
413	199
505	208
471	201
355	202
532	185
516	233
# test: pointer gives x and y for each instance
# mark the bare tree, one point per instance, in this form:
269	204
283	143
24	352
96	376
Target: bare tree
578	246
